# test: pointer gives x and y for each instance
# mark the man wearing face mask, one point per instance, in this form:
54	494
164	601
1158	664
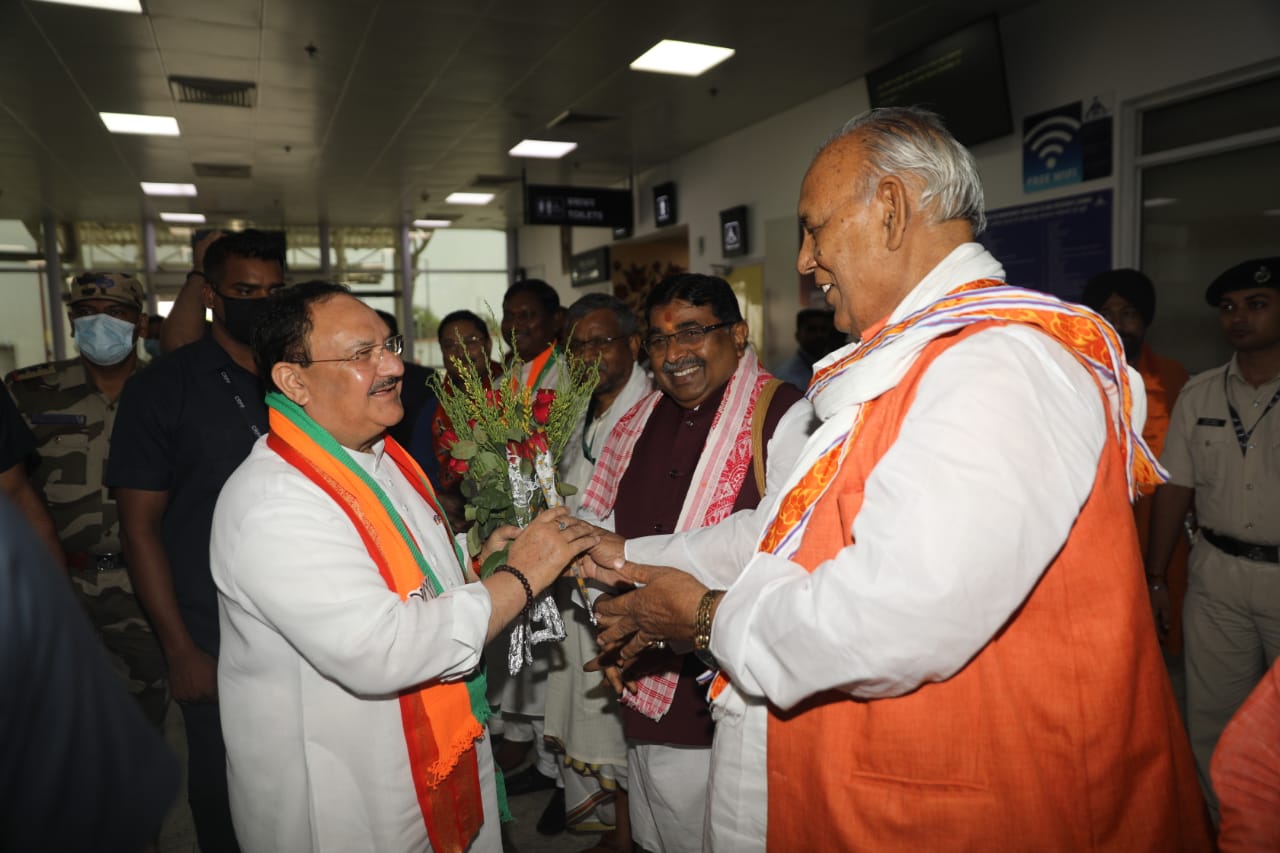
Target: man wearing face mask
70	406
184	426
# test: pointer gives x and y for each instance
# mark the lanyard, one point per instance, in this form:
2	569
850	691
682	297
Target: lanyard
1243	436
244	410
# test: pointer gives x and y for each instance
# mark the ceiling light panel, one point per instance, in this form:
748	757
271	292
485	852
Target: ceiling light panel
184	218
469	198
432	223
110	5
161	188
686	58
543	149
140	124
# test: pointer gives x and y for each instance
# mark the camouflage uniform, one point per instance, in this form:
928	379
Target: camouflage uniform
72	423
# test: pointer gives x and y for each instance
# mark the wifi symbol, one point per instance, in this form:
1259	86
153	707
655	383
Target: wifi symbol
1049	138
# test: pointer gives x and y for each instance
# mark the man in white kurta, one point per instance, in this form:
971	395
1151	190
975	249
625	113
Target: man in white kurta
582	715
999	467
346	611
315	651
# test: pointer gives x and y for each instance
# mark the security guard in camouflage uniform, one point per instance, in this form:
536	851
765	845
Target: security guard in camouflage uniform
71	407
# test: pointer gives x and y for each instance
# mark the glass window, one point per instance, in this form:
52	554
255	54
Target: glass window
1217	115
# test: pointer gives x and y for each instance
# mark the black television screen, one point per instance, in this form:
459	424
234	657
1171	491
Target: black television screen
960	77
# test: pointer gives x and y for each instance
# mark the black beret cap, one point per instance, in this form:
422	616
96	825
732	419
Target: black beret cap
1260	272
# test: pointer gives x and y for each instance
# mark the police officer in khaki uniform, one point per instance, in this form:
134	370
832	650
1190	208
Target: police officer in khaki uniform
1223	450
71	407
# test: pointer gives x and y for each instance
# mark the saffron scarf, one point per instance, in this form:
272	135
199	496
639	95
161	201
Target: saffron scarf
878	363
441	721
538	368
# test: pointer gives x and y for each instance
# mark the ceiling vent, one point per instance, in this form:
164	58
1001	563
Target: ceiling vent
570	117
495	181
205	90
221	170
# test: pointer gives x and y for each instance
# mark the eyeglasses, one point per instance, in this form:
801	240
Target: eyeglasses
459	344
593	344
656	345
366	355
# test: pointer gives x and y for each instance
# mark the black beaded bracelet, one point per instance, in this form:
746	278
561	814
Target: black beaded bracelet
524	582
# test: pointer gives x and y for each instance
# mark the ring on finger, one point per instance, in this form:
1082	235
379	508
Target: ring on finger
656	644
562	524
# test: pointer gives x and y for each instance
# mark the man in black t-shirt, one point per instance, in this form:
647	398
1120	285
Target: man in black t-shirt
184	425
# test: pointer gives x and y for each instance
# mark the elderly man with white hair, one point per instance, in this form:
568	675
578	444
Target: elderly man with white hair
939	635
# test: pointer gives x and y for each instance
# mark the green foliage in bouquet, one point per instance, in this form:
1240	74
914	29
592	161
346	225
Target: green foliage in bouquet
494	419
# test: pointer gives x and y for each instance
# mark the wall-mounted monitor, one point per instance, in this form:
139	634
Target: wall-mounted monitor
961	77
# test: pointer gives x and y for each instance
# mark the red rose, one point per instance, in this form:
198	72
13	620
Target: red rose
536	443
459	466
542	405
448	439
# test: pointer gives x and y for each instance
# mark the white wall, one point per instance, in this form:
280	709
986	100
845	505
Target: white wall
1054	54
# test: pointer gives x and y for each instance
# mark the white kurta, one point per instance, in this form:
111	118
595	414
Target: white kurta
315	648
581	709
960	518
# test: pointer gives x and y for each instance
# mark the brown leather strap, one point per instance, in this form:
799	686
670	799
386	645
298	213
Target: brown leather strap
757	430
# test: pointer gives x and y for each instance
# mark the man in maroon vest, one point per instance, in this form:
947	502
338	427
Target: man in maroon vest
693	444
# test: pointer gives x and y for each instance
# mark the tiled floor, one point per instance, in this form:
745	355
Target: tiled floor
178	835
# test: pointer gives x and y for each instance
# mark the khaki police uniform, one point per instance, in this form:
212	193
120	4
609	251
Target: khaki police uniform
1231	616
72	422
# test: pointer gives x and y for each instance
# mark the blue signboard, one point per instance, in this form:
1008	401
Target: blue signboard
1054	246
1066	145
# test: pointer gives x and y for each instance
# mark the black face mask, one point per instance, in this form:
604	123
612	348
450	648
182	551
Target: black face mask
242	316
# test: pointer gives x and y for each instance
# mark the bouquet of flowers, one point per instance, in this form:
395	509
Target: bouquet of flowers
507	440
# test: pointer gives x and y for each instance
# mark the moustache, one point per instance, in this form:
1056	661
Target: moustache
683	364
389	382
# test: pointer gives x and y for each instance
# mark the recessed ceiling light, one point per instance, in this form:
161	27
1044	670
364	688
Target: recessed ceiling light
544	149
188	218
686	58
1158	202
469	198
161	188
432	223
110	5
132	123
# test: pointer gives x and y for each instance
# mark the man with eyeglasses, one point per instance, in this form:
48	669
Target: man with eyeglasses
184	425
709	442
71	407
353	627
584	721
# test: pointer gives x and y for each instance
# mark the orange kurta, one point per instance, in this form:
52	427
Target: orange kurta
1061	734
1163	378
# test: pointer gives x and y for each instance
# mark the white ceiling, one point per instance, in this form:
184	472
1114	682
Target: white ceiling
404	101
